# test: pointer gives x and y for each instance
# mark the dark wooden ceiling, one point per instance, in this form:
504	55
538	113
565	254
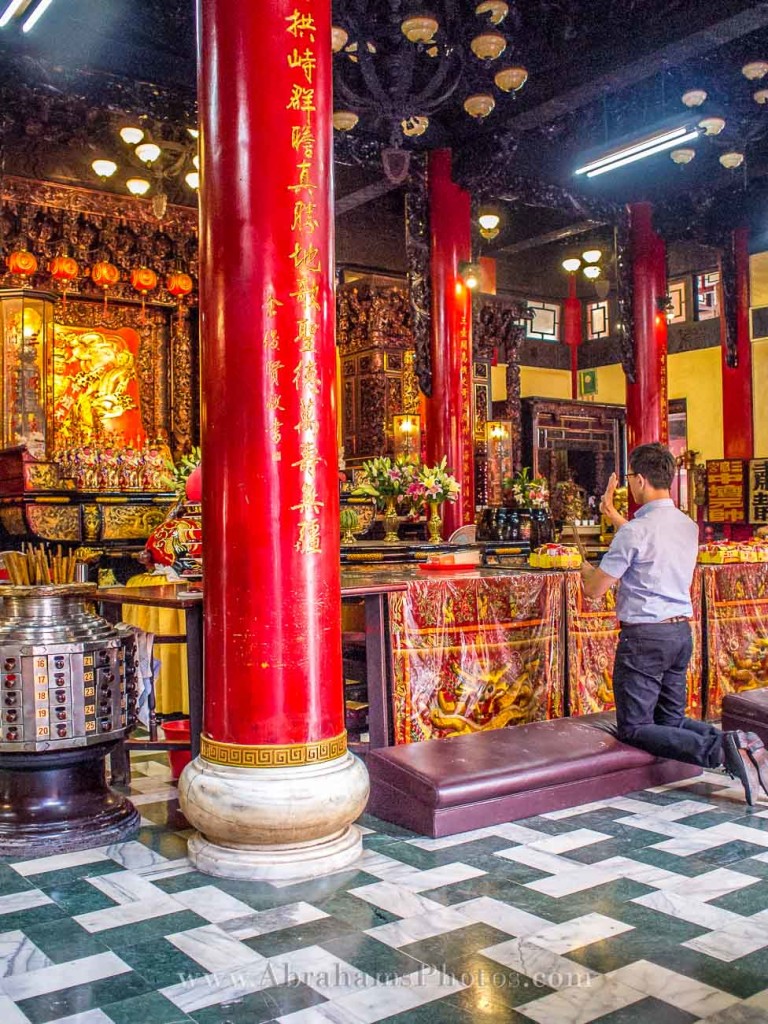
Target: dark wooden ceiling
597	69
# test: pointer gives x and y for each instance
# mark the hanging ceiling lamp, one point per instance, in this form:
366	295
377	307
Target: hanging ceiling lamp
488	46
682	156
420	28
496	10
511	79
479	105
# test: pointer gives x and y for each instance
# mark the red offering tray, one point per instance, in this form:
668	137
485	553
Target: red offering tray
446	567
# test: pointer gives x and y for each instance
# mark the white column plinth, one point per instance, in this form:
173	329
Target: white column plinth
274	824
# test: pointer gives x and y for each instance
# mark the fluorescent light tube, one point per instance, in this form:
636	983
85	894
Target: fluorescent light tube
658	148
36	15
673	134
9	12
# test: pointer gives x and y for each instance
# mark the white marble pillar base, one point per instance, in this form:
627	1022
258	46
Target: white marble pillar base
274	824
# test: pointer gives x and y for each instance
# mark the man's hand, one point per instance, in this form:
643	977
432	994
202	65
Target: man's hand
606	503
595	581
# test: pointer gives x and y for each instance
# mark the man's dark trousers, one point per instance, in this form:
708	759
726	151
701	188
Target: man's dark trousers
649	687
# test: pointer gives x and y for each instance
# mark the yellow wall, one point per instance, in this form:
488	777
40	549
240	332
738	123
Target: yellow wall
759	401
758	296
698	378
694	376
611	385
535	380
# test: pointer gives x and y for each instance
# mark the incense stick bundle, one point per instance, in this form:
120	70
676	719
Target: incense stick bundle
37	566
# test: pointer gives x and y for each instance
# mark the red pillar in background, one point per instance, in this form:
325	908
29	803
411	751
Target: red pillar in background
273	674
449	415
572	319
738	436
647	418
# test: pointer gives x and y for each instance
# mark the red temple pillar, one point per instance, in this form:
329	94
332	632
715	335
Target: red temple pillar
274	790
647	418
449	410
738	430
572	319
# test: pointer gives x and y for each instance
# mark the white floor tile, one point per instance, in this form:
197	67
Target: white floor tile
61	976
677	989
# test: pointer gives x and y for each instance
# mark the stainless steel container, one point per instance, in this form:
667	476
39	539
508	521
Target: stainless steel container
67	676
68	691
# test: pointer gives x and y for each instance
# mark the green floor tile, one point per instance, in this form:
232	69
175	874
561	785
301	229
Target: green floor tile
11	881
80	998
356	911
21	920
79	897
160	963
151	1008
749	900
167	844
64	940
154	928
310	934
647	1011
49	880
374	958
259	1007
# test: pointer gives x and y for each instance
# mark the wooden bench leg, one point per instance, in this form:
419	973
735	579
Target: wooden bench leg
120	765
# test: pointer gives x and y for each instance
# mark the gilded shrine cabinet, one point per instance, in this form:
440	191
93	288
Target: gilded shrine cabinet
99	364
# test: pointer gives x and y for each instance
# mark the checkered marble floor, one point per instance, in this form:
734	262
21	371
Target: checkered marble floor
647	908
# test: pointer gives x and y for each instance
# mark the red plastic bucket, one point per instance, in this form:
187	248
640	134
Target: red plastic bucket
178	730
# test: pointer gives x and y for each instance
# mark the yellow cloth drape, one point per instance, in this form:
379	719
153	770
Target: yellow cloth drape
171	687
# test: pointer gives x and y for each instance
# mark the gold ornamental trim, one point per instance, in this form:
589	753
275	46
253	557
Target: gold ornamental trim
284	755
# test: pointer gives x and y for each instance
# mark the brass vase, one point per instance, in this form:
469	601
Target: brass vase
434	523
391	521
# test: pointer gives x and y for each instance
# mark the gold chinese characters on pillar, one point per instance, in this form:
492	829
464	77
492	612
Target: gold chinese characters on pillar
307	268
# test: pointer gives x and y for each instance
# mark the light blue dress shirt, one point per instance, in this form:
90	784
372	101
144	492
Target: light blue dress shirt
653	555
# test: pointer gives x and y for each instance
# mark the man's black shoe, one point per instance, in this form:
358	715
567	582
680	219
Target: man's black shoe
758	755
739	764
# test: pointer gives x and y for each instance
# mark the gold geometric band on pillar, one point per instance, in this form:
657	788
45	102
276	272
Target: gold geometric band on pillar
283	755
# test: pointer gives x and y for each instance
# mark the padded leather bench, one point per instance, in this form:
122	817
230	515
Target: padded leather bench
747	710
441	787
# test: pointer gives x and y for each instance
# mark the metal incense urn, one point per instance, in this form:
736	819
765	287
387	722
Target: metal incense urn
68	694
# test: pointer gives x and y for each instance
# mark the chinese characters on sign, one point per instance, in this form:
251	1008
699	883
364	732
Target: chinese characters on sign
758	492
306	270
726	491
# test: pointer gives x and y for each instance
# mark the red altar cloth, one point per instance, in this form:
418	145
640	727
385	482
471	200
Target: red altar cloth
736	603
593	632
476	652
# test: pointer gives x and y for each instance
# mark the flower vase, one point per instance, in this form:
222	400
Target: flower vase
391	521
434	523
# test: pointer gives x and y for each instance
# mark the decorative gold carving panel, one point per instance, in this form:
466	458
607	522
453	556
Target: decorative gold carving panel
130	522
54	522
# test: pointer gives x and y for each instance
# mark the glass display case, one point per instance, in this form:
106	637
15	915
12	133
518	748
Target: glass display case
27	335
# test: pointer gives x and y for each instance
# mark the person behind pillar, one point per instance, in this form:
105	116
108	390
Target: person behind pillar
652	557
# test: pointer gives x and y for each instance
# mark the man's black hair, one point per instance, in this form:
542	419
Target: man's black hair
656	463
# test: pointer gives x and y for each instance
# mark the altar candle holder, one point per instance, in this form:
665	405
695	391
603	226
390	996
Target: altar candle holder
406	428
498	438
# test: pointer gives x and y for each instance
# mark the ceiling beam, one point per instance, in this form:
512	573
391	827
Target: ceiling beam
571	231
710	38
364	195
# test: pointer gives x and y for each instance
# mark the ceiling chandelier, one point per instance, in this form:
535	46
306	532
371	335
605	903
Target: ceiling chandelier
149	160
398	65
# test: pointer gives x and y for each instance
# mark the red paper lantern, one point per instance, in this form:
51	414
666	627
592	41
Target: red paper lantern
179	284
105	275
22	263
64	269
143	280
